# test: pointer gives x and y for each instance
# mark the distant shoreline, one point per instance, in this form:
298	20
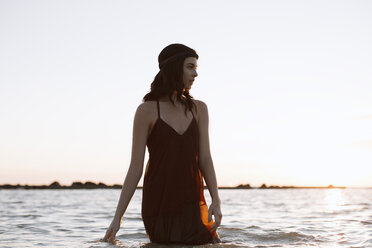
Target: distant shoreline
91	185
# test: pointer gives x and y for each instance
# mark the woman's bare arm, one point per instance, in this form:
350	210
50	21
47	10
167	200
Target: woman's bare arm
134	174
205	158
206	165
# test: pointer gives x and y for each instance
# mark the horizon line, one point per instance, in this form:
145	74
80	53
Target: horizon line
247	185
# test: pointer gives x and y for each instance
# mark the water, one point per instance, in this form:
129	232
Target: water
251	218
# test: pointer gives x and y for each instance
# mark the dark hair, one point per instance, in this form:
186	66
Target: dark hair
169	78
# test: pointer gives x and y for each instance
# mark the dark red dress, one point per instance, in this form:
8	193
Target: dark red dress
173	205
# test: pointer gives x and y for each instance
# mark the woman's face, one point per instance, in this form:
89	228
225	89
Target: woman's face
189	71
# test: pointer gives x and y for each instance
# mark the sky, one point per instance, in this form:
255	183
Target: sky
288	87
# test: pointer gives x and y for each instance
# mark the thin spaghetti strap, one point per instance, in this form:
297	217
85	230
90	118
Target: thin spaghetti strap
157	101
192	114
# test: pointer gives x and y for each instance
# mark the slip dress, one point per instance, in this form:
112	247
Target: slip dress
174	210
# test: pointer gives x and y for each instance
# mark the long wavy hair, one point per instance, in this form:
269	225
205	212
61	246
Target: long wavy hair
170	76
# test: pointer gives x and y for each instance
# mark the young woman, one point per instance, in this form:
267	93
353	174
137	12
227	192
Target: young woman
174	127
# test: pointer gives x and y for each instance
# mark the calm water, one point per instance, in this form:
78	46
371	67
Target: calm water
251	218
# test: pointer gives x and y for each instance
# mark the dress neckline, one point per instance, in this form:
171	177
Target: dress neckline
184	132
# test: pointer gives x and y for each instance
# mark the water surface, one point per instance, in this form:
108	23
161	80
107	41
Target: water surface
251	218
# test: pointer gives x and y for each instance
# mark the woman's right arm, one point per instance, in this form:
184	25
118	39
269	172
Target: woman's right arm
140	132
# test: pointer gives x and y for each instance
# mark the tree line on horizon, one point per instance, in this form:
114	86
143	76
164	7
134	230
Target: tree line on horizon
100	185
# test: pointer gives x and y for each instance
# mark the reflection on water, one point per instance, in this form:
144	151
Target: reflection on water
334	199
251	218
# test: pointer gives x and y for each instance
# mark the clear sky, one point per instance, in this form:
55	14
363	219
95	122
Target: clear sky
288	86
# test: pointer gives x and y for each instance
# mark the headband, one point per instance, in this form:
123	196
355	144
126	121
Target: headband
176	56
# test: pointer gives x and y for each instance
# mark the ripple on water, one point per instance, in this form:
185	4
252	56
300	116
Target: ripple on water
366	222
281	237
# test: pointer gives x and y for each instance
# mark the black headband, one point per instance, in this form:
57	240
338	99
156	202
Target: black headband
176	56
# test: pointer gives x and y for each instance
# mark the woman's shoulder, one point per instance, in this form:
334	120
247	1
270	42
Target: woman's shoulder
202	109
200	104
146	107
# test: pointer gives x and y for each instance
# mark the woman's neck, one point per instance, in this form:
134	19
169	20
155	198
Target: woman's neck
173	97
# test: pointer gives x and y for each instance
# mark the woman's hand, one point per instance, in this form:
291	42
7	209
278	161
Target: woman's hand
112	230
215	209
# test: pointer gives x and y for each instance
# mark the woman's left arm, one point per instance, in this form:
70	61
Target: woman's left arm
206	164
